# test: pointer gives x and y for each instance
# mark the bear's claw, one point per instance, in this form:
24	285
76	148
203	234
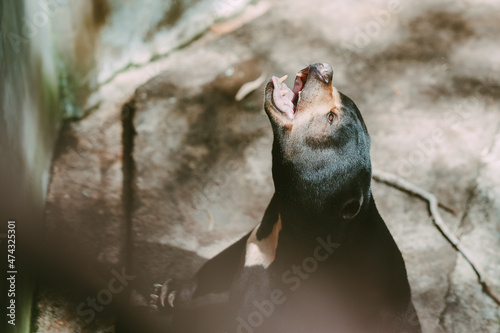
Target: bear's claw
161	292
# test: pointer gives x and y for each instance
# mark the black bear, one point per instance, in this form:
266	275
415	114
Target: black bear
322	258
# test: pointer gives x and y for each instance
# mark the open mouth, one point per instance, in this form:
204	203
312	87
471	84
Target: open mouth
284	99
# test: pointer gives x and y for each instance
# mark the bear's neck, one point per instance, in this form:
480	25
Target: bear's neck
305	224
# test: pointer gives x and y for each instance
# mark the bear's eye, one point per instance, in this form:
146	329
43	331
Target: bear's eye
331	116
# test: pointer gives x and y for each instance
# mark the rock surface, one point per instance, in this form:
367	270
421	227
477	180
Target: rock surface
425	77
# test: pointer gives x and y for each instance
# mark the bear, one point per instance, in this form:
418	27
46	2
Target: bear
322	258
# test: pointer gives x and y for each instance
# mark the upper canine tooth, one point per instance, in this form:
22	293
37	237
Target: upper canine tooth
299	74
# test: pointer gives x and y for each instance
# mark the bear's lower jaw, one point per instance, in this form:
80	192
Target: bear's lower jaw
283	99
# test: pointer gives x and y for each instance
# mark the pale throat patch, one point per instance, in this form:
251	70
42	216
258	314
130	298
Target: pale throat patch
263	252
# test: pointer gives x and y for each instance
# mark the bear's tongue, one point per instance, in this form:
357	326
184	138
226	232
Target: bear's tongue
285	99
283	96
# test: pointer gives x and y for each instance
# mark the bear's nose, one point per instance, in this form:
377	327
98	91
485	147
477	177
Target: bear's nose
323	70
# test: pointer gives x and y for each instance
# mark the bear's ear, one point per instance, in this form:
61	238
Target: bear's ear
352	208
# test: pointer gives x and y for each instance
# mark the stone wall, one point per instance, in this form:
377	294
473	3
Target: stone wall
98	38
29	118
